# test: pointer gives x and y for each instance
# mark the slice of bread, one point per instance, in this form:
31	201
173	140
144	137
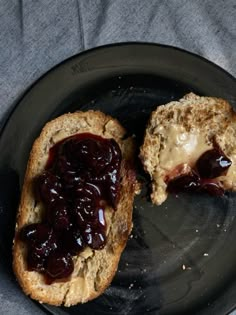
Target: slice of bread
93	269
179	132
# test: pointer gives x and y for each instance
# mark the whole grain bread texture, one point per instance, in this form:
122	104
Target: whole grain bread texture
93	269
206	120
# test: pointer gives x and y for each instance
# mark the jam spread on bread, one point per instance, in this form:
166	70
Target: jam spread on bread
81	178
210	165
213	163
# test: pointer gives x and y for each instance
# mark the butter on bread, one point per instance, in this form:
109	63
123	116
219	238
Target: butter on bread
93	269
179	132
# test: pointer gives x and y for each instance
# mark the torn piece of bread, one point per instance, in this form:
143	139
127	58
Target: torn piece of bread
179	132
93	269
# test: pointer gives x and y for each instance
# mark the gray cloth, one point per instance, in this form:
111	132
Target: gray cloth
35	35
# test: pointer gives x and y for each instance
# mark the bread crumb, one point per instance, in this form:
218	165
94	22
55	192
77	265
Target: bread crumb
131	286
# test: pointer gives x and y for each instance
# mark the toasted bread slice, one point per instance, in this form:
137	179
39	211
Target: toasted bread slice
93	269
179	132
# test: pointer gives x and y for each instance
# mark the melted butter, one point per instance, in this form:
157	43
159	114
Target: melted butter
181	147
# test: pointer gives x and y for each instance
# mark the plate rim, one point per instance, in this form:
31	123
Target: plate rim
104	47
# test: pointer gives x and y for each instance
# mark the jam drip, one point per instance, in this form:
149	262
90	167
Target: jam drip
210	165
82	176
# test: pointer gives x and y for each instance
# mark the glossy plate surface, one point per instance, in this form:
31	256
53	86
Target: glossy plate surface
181	255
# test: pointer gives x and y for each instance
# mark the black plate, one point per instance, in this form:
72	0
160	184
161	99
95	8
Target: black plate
181	256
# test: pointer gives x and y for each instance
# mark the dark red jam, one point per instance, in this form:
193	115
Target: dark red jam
210	165
82	176
213	163
187	182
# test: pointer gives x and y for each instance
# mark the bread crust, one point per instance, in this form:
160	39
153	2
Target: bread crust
211	118
93	269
